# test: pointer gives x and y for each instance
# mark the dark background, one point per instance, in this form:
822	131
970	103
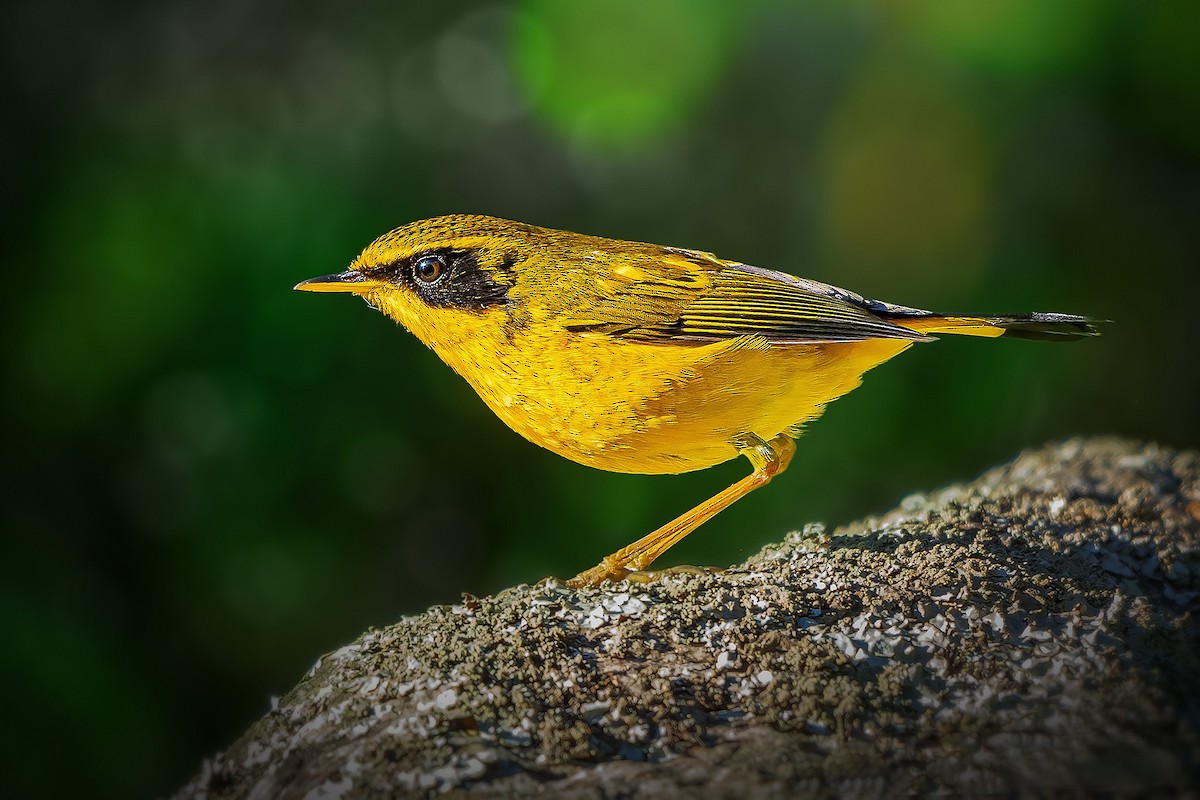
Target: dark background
209	479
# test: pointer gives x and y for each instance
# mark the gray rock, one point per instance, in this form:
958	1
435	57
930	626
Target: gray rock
1031	633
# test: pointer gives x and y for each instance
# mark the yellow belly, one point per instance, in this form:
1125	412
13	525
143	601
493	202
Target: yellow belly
764	391
626	406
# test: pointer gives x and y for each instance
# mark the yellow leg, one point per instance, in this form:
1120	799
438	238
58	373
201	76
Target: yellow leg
769	459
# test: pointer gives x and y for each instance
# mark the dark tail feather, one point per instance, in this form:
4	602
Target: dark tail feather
1037	325
1046	327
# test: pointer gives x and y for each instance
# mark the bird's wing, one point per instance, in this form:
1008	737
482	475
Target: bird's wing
695	297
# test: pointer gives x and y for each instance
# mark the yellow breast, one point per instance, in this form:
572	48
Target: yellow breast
628	406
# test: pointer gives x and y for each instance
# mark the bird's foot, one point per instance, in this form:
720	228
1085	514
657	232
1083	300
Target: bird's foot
609	570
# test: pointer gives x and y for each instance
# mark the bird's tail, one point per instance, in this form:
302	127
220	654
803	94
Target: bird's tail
1036	325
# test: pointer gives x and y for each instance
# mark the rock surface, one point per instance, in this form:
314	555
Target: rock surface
1030	633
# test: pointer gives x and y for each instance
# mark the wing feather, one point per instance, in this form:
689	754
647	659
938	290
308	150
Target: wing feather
699	298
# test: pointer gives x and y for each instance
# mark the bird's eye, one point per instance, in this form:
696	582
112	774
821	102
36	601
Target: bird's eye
428	269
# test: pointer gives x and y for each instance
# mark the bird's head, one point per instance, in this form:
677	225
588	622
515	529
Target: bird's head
420	273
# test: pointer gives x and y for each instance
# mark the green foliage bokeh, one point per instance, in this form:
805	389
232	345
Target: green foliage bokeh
210	480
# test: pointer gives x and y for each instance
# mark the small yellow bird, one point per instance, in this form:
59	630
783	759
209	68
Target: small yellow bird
640	358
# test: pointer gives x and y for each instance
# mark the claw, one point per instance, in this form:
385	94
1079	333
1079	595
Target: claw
606	570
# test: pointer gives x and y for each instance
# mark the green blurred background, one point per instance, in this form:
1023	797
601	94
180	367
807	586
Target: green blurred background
209	479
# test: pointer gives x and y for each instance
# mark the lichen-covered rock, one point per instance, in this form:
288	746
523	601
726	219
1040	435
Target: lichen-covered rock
1030	633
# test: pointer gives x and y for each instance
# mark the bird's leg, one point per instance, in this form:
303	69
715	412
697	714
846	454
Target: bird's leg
769	459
